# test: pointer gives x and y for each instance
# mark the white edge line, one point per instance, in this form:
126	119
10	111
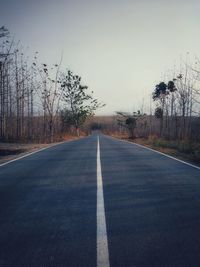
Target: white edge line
34	152
102	240
171	157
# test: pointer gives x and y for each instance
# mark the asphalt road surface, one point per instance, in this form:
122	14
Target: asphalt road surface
99	202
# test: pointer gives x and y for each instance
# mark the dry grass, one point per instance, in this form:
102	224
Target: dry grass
120	136
184	150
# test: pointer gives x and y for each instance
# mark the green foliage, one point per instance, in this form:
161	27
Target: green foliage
171	86
3	32
160	90
66	118
159	112
80	103
131	122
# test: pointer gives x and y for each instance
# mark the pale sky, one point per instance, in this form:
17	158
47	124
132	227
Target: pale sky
120	48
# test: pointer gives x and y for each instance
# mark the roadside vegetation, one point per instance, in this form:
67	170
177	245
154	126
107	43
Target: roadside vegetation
44	104
39	103
181	149
172	124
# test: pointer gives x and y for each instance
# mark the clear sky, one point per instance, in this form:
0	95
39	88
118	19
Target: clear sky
121	48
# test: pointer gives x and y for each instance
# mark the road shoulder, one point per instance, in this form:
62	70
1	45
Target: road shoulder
164	151
13	151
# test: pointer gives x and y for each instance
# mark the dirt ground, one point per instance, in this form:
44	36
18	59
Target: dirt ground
9	151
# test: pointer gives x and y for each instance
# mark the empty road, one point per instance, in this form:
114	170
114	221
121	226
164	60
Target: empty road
99	202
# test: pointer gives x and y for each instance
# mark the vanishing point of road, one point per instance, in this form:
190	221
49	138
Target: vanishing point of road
99	202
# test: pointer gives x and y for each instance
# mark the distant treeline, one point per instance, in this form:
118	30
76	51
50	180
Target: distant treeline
147	126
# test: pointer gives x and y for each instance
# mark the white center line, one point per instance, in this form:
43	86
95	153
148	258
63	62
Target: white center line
102	240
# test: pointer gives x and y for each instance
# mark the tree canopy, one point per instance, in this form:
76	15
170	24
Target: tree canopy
80	104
